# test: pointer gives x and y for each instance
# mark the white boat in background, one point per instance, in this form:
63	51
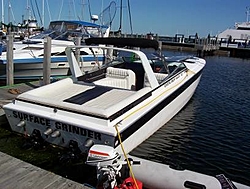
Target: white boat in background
28	54
237	37
130	92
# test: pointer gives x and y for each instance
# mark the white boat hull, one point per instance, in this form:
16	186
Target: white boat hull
160	176
102	111
161	118
33	68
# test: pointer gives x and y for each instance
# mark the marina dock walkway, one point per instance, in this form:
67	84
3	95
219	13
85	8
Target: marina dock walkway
8	93
15	173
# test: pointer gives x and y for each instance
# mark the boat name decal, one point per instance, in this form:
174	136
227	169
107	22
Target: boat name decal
77	130
172	80
31	118
58	125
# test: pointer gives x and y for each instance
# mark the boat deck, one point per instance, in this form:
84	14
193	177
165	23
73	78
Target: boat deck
93	99
9	93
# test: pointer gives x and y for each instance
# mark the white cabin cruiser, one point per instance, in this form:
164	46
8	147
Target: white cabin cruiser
28	55
129	96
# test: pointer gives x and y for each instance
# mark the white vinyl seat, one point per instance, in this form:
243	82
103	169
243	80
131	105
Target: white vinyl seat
159	76
119	78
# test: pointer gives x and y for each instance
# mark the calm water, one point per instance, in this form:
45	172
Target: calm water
211	135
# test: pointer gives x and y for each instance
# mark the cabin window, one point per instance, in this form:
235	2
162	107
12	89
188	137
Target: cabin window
33	48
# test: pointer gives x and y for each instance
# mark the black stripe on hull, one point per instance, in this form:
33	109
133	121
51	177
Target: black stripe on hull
140	122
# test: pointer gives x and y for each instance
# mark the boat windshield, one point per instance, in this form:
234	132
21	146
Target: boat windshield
159	63
130	60
172	68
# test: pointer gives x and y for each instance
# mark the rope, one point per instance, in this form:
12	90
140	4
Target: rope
130	168
190	71
118	133
32	53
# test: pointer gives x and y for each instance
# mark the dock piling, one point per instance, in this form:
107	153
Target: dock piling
47	61
10	66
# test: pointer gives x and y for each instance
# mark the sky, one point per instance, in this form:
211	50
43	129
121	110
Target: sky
162	17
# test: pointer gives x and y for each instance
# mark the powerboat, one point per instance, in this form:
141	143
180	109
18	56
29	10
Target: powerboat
109	111
28	55
130	96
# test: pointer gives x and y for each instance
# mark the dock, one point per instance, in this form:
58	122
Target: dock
8	93
15	173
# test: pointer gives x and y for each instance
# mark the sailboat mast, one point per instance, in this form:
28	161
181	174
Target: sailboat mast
130	18
90	14
9	9
2	12
120	27
43	13
247	12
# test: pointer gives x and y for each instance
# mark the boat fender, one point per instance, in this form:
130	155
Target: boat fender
129	183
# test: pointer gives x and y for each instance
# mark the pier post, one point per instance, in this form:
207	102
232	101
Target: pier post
160	46
157	37
9	66
47	61
109	54
77	53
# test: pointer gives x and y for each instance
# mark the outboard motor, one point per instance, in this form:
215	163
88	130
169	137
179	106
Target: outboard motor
111	169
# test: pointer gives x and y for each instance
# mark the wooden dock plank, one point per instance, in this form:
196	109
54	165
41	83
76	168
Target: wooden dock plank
42	181
14	177
63	183
9	166
36	179
6	96
15	173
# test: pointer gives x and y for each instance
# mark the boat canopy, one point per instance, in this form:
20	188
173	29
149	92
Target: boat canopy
122	42
78	22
